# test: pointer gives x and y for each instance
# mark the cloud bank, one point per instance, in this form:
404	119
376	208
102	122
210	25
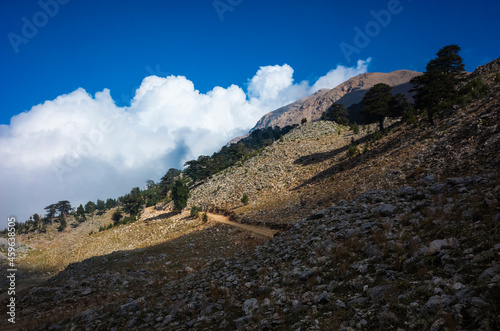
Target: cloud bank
81	147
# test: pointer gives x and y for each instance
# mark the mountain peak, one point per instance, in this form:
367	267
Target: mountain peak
348	93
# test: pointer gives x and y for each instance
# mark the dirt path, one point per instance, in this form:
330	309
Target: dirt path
257	230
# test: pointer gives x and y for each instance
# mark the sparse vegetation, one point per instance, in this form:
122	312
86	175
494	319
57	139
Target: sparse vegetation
353	150
180	195
195	212
355	128
206	166
401	252
117	216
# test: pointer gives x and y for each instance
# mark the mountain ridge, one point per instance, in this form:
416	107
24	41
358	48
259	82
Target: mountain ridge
347	93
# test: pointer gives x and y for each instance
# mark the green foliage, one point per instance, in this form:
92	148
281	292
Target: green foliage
399	105
376	104
132	202
51	210
180	195
436	88
497	78
120	221
168	180
37	221
244	199
80	214
303	121
378	135
152	196
64	207
150	184
353	150
354	127
90	207
80	211
100	205
474	90
337	113
204	218
117	216
195	212
62	223
410	117
206	166
111	203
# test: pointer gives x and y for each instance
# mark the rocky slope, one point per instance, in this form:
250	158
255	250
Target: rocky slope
347	93
423	257
303	173
405	235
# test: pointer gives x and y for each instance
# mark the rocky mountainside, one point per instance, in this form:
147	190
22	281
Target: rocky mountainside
404	235
347	93
424	257
309	168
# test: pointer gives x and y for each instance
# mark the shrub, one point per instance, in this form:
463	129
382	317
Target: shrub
244	199
355	128
117	216
63	224
353	150
195	212
304	121
474	89
497	78
410	117
205	218
377	136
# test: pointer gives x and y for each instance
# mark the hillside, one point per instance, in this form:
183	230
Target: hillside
405	234
310	168
347	93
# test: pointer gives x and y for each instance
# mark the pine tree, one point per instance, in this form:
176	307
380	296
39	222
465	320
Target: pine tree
80	213
180	195
376	103
110	203
437	88
64	207
117	216
90	207
168	180
132	202
337	113
51	210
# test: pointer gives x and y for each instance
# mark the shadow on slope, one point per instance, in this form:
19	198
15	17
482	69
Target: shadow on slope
112	278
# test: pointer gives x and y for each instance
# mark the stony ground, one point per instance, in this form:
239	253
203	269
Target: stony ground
405	235
123	274
424	257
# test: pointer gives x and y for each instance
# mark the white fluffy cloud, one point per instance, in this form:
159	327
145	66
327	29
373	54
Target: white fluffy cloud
81	147
338	75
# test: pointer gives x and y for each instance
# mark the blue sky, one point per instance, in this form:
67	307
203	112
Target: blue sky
99	96
111	44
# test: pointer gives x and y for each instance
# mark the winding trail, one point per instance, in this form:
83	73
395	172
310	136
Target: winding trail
254	229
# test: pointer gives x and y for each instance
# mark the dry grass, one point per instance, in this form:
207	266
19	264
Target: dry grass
54	251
